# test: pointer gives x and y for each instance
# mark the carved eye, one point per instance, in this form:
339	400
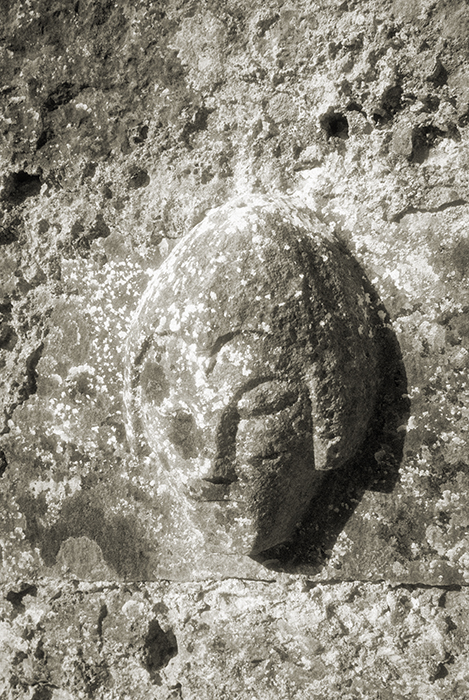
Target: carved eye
154	383
182	433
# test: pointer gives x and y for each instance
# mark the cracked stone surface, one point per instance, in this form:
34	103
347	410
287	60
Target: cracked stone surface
123	125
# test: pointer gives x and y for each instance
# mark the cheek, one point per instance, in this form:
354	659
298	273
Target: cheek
274	457
269	436
261	455
260	437
183	431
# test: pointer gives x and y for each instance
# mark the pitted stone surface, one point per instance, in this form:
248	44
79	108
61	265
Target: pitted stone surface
135	119
252	369
111	157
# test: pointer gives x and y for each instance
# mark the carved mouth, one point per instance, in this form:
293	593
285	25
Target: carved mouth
204	491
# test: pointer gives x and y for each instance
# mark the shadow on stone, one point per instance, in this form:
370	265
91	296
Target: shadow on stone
16	597
21	185
160	647
375	467
119	537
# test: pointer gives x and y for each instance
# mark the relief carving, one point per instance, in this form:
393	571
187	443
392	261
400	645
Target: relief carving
252	371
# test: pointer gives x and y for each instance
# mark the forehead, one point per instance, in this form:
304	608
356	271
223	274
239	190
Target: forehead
237	364
249	271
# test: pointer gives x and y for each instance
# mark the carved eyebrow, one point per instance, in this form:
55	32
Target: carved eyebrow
145	346
216	347
220	342
265	402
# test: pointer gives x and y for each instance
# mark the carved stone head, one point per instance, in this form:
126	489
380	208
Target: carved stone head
251	369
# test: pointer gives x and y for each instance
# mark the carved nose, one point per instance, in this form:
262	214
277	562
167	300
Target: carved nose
220	473
222	468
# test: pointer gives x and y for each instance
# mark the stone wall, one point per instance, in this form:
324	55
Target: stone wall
122	125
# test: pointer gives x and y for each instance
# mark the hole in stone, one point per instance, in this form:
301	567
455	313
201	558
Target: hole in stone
431	102
141	134
16	597
89	170
30	383
42	692
354	107
44	137
379	118
391	99
159	648
21	185
441	672
10	233
103	613
424	139
137	179
335	125
198	122
8	336
463	119
63	94
439	75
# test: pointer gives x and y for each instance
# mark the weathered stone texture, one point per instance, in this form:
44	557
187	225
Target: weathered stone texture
236	639
122	125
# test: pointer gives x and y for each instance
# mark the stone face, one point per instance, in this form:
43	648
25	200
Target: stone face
252	369
111	157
